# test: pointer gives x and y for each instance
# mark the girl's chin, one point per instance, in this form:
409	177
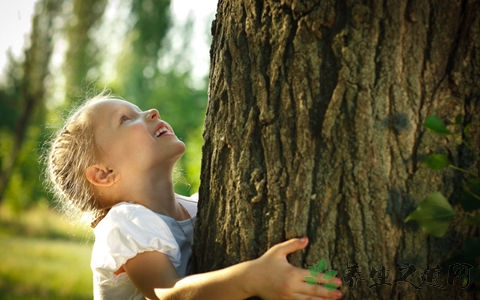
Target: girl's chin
179	149
182	146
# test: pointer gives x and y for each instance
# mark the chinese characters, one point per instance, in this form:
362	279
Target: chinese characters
458	273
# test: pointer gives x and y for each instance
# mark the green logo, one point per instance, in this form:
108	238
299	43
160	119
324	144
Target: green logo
328	275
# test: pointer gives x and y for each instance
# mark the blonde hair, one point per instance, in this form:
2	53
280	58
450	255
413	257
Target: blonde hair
72	151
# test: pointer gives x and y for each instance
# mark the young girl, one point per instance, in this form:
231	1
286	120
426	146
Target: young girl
115	161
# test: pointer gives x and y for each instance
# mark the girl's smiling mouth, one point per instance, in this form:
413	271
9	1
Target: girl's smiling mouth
163	129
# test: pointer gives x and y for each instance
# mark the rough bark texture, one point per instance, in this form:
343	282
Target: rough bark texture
315	127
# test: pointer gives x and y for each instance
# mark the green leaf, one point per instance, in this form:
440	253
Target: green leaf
321	265
437	161
433	215
310	280
329	274
435	124
470	199
331	286
472	220
313	271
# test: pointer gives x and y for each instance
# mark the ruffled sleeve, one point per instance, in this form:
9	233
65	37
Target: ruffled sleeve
127	230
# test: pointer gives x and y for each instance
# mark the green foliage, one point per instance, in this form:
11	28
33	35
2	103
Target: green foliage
82	59
193	157
311	280
330	286
313	271
152	21
138	79
6	139
11	106
24	93
433	215
436	125
25	185
470	199
437	161
142	49
41	222
9	95
328	275
321	265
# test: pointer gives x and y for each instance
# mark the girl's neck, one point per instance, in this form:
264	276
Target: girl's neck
159	196
155	192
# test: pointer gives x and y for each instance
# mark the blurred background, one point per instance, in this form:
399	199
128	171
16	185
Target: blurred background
53	55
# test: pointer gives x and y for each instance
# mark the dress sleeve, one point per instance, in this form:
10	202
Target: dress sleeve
127	230
190	203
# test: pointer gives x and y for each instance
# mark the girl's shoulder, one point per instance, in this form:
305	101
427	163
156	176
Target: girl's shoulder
129	218
126	210
129	229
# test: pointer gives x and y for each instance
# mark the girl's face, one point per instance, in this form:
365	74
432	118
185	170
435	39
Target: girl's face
130	139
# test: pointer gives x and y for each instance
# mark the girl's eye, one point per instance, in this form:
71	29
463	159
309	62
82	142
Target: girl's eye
123	119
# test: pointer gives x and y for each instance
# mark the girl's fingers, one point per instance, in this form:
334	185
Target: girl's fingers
309	297
300	288
290	246
322	280
319	290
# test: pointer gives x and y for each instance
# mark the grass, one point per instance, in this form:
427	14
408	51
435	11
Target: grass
43	256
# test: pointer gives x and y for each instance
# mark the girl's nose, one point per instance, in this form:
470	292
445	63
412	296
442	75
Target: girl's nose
153	114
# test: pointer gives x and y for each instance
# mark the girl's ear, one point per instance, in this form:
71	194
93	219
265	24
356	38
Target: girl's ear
100	176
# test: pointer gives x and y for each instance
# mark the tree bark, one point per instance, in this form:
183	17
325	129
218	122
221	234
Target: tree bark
315	127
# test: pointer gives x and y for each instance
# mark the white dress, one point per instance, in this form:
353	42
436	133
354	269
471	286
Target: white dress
129	229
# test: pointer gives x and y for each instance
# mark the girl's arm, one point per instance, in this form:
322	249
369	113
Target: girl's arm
268	277
149	270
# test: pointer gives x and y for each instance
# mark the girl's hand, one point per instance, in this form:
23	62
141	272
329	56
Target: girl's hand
273	277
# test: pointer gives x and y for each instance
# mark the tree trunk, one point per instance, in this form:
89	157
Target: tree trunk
32	88
82	57
315	127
